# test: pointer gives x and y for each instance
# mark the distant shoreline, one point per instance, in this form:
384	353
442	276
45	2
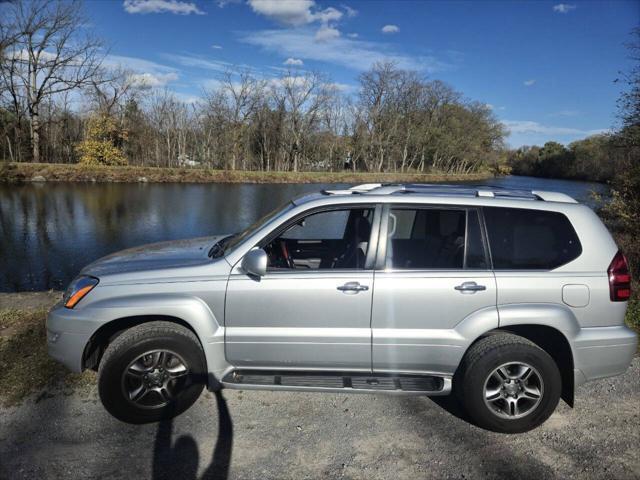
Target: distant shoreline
17	173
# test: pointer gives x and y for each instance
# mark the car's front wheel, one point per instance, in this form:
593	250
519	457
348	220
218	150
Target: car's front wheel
151	372
508	384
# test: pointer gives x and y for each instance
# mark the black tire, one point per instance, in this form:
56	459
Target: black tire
180	342
486	356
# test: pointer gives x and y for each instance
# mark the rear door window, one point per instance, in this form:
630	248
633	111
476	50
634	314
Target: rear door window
434	238
523	239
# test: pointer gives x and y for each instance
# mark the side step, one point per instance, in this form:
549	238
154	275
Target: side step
338	382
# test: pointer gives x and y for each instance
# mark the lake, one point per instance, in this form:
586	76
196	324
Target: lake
49	231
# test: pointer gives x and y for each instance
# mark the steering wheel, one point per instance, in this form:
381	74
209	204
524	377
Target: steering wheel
286	255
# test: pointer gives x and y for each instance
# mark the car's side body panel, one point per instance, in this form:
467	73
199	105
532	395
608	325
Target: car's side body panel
200	304
299	320
416	316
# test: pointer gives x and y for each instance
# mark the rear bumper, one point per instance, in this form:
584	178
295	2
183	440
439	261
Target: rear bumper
603	352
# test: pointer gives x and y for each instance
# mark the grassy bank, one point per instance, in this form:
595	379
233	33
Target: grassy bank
52	172
25	367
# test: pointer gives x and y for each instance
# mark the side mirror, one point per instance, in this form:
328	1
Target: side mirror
254	262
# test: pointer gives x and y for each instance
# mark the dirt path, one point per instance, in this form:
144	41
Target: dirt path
266	435
63	432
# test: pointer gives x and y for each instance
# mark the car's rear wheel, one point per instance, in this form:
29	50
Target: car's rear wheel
508	384
151	372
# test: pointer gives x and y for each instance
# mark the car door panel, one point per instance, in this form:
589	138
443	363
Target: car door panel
301	317
415	315
416	311
289	320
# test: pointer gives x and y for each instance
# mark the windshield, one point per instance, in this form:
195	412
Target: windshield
233	241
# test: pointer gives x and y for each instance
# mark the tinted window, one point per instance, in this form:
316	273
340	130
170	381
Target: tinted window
321	226
475	257
432	238
335	239
530	239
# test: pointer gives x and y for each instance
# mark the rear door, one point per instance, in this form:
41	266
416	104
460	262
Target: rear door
432	273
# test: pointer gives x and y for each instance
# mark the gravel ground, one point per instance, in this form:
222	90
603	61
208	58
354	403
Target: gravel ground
278	435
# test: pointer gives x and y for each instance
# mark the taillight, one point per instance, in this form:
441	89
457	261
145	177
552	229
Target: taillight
619	279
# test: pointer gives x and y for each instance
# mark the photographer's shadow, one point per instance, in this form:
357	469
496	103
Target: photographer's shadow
181	459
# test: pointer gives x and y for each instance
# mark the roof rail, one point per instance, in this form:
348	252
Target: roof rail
553	196
484	191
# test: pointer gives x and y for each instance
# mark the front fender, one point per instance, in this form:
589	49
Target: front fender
188	308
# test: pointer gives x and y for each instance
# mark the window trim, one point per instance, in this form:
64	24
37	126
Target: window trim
381	256
373	239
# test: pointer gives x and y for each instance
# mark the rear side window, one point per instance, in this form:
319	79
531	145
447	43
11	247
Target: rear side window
433	238
522	239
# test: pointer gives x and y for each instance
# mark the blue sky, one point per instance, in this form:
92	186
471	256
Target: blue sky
546	68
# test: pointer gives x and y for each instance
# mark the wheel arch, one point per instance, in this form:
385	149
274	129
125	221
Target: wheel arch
119	314
551	340
107	333
551	326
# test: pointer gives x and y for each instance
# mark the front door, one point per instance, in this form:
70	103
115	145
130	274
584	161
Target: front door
312	310
433	283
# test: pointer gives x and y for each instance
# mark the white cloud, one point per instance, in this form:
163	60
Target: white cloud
153	80
287	12
352	35
327	15
177	7
530	127
351	12
563	8
347	52
198	62
187	98
565	113
136	65
326	33
143	73
529	83
216	47
390	29
341	87
297	13
293	61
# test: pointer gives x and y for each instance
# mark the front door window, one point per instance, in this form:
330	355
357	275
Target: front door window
333	239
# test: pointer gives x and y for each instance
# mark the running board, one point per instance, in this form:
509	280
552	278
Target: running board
338	382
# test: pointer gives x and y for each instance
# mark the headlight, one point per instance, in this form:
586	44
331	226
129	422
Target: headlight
78	289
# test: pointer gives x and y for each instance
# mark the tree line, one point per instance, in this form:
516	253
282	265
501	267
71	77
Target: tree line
594	158
396	120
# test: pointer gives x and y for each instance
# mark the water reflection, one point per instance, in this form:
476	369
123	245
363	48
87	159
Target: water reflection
48	232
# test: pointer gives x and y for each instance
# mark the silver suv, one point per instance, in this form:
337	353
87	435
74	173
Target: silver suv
509	299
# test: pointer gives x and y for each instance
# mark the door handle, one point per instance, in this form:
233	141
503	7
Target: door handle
471	287
353	287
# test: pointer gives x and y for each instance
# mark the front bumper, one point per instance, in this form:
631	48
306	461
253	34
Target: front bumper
603	352
67	337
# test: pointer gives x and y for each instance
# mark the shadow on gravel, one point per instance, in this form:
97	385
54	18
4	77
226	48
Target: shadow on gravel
181	459
450	404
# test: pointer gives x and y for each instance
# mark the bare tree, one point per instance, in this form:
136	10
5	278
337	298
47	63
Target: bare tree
303	97
110	89
242	92
49	56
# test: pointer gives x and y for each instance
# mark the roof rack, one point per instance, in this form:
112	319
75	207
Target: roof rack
484	191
